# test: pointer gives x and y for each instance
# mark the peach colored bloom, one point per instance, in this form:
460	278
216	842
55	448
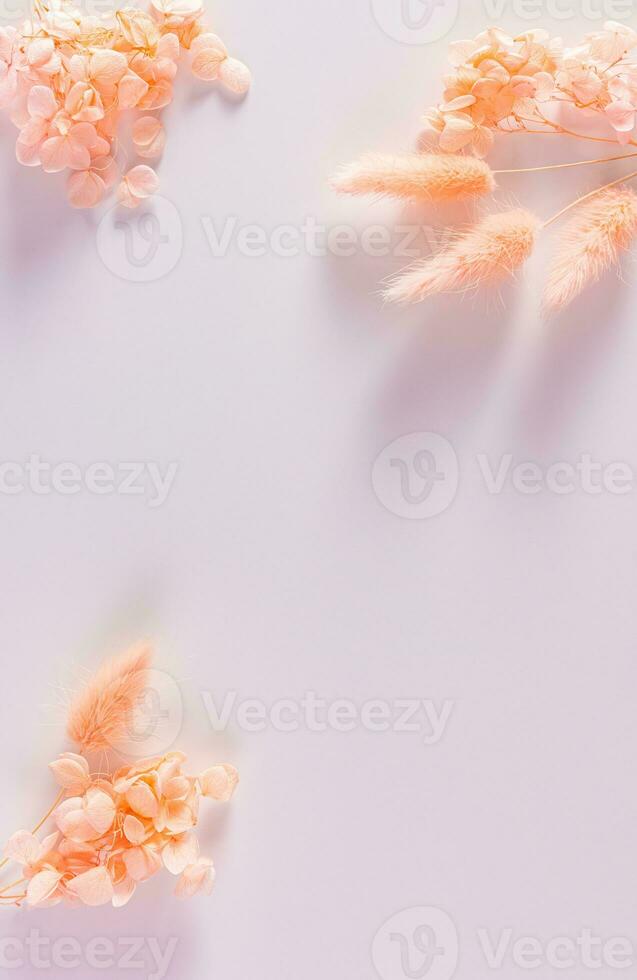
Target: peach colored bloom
41	865
131	90
8	72
219	782
42	55
83	103
196	878
67	77
93	887
179	852
71	145
86	188
86	818
45	889
141	862
72	772
25	849
41	108
149	137
115	831
138	184
501	83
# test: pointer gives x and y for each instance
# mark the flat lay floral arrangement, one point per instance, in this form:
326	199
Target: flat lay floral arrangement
111	831
515	87
68	79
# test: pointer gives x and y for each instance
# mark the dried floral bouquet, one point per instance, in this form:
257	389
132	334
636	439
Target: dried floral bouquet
114	830
67	79
504	85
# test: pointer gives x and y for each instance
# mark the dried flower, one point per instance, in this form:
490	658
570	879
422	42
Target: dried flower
99	713
590	244
116	831
432	177
503	84
66	78
491	251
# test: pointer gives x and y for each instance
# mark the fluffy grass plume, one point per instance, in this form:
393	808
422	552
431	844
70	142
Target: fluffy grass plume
494	249
590	244
98	714
428	176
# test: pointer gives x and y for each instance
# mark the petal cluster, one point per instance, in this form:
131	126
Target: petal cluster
67	78
501	83
113	833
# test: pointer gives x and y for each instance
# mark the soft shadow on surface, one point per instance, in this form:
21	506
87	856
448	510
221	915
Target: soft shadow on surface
454	347
446	365
154	935
575	345
441	353
43	231
213	826
39	219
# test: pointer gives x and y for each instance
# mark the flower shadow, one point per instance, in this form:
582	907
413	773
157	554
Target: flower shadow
575	345
40	225
445	349
154	933
442	374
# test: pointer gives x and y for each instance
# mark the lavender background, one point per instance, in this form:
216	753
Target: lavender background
273	569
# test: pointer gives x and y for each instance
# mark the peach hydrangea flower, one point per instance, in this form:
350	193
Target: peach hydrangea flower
507	84
120	831
136	185
66	78
115	830
196	878
528	84
149	137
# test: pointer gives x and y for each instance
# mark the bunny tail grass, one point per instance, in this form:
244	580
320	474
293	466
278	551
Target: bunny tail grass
491	251
590	244
428	176
98	715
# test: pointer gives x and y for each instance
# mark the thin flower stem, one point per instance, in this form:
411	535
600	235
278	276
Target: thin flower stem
44	819
11	885
565	166
559	130
57	801
587	197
